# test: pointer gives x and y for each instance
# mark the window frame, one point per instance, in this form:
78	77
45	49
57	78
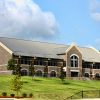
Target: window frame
74	62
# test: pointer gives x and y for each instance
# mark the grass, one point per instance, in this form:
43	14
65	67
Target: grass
49	88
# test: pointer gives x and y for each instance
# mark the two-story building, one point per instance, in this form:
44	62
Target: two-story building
49	57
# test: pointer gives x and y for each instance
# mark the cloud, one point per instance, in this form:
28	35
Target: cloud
25	19
95	9
96	16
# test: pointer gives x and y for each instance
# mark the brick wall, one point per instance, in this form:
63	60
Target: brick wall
4	58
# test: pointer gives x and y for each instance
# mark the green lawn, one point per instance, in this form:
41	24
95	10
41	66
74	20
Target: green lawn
49	88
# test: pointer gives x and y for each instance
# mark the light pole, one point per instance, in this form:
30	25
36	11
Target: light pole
46	68
18	69
91	69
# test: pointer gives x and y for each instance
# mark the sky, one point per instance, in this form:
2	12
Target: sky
55	21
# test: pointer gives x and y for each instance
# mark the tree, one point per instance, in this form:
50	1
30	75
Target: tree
15	67
16	84
11	64
31	69
62	76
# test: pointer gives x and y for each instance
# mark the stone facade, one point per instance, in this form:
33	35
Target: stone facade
74	51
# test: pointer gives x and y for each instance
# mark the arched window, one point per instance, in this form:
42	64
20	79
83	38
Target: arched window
39	73
97	75
53	74
74	61
24	72
86	75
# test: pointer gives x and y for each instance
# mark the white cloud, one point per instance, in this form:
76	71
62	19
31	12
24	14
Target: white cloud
95	9
96	16
25	19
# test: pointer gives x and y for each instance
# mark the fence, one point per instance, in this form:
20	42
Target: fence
85	94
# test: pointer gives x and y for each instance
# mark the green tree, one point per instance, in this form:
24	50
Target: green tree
62	76
16	84
15	67
11	64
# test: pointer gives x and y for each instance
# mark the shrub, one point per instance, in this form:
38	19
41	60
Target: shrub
24	95
30	95
12	95
4	94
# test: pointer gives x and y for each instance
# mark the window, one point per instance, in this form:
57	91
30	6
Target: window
53	74
86	75
24	72
97	75
74	61
39	73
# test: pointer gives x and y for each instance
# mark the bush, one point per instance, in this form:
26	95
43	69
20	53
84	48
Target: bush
12	95
30	95
4	94
24	95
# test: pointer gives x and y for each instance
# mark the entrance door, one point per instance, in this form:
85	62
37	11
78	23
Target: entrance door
74	74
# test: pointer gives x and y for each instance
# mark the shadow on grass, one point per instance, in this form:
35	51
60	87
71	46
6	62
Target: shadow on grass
24	82
65	83
37	80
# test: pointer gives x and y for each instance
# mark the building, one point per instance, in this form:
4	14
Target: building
49	58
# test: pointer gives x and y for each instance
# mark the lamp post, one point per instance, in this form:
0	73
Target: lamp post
32	67
46	68
91	69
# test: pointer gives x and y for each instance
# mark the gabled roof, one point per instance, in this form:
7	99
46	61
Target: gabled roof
90	54
33	48
44	49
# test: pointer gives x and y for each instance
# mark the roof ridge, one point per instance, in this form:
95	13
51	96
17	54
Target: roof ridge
33	41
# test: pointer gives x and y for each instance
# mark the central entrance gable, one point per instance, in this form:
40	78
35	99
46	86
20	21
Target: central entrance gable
73	61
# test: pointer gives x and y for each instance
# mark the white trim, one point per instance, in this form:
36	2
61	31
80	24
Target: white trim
25	69
39	70
96	73
53	71
74	55
64	69
3	65
74	70
6	48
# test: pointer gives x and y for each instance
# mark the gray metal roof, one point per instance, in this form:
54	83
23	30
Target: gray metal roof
90	54
44	49
32	48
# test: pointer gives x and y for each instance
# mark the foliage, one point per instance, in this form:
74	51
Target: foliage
62	76
18	70
31	70
12	95
11	64
4	93
30	95
16	84
24	95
